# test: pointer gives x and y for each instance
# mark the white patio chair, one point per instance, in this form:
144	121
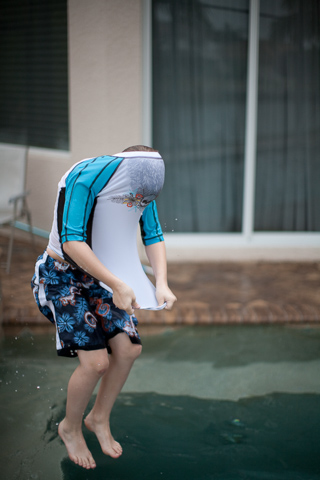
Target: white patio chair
13	201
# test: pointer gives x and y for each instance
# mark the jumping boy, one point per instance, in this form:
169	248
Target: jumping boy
90	280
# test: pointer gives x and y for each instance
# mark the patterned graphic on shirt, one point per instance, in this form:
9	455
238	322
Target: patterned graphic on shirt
146	182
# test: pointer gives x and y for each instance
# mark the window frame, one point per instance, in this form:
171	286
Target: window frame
248	237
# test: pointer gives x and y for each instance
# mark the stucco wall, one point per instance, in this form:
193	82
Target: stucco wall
105	72
44	170
105	116
105	94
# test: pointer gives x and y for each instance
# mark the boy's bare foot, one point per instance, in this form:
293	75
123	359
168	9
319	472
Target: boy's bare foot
108	444
76	446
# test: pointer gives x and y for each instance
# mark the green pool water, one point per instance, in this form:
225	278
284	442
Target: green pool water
220	403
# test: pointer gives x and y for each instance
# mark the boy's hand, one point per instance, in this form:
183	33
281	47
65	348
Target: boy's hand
124	298
164	294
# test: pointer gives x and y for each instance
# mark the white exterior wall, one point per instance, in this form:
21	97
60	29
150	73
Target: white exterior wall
109	93
105	72
44	170
105	95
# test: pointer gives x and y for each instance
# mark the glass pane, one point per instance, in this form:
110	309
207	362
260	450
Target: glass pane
34	73
199	94
288	148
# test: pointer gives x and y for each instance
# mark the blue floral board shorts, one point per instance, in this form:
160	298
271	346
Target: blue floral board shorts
82	311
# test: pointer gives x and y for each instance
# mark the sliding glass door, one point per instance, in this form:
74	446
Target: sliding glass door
199	96
201	111
288	130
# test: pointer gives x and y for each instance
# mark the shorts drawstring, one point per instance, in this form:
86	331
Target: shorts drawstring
131	321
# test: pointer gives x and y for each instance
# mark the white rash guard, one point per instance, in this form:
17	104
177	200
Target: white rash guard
101	201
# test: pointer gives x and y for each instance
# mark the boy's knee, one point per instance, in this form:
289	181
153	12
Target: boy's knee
136	351
128	352
97	361
133	352
101	367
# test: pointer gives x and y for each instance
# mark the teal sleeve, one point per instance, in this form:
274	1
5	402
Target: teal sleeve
150	227
83	184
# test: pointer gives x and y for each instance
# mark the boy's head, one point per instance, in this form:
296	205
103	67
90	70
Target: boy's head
139	148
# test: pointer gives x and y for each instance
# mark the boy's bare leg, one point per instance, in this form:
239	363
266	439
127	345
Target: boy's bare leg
93	364
121	360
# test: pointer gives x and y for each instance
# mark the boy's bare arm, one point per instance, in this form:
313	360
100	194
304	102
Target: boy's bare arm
156	254
123	295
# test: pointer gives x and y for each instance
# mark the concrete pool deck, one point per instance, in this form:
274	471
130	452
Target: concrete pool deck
201	403
208	293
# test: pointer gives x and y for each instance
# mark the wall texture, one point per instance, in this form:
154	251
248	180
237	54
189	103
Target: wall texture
44	170
105	65
105	94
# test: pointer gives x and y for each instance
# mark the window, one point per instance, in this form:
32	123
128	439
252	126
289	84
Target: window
200	66
34	73
288	141
199	96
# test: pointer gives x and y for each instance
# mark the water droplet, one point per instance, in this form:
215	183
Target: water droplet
176	219
232	438
237	422
38	387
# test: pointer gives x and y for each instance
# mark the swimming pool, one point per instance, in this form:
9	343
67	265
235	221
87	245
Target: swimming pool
202	403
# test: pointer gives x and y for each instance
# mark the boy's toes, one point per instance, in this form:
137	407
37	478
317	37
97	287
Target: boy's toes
86	463
91	463
118	450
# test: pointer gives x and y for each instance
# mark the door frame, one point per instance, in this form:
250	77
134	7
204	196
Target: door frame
248	237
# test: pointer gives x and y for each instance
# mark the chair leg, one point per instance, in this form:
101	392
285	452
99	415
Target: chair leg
13	226
10	247
28	214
